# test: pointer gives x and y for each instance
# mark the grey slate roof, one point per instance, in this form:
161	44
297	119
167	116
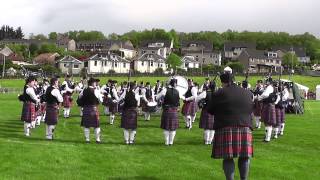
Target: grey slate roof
207	45
299	51
107	57
144	44
230	46
151	57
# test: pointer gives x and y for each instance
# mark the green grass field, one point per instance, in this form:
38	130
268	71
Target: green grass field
293	156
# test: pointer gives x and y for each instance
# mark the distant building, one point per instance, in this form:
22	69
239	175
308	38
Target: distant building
232	50
259	61
149	62
160	47
300	52
202	51
189	62
70	65
103	63
123	48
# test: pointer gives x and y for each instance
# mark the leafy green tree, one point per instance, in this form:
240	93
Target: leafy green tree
174	61
53	36
290	59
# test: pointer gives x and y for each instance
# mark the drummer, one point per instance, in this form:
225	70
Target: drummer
147	96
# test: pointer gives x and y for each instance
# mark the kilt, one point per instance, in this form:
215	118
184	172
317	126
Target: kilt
144	105
38	110
280	115
206	120
257	108
106	101
113	107
169	119
232	142
67	101
90	117
129	118
52	113
28	112
189	108
43	108
268	115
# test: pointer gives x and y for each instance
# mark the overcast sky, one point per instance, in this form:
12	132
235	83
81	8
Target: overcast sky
119	16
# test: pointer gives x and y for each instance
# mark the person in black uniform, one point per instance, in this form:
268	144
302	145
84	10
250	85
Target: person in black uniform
232	107
90	99
129	114
169	117
53	98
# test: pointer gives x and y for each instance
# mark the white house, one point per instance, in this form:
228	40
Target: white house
149	62
103	63
160	47
189	62
70	65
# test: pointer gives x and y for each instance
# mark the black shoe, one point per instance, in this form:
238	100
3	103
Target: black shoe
265	141
98	142
87	142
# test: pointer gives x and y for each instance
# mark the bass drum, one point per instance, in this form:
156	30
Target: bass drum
182	84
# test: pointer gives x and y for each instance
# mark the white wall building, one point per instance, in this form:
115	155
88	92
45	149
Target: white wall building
149	62
102	63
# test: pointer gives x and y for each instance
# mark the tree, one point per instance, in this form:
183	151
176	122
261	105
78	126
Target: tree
174	61
50	48
236	67
53	36
290	60
40	37
33	48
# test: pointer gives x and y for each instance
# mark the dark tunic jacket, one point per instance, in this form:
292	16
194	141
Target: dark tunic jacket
231	106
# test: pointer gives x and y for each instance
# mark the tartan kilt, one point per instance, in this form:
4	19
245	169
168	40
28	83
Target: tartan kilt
113	107
52	113
257	108
280	115
268	115
106	101
43	108
38	110
129	118
28	112
206	120
90	117
67	101
170	119
232	142
189	108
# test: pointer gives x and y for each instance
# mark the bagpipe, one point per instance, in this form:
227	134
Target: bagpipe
203	102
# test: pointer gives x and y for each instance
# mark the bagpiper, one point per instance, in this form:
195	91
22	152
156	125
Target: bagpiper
189	105
89	100
258	103
169	117
268	116
129	114
206	119
30	100
232	107
147	96
67	89
53	98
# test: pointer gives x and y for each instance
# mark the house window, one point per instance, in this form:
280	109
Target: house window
197	59
151	63
277	61
64	65
115	64
76	66
152	52
211	56
95	63
186	65
142	63
105	63
124	65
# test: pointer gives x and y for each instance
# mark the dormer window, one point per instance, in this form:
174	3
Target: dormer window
193	45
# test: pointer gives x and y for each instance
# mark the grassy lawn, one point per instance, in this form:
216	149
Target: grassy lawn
293	156
308	81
